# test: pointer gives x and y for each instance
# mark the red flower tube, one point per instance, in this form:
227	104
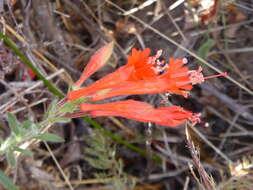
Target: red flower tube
97	61
168	116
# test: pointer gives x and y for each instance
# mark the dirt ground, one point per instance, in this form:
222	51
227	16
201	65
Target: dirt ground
59	37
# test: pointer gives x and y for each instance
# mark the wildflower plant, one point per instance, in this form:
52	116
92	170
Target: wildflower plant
143	74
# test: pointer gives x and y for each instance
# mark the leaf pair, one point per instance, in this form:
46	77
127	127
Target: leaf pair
20	134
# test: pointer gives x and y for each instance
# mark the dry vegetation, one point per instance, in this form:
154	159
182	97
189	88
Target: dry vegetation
59	36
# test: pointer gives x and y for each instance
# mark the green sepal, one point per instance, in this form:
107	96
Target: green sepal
24	151
60	120
7	182
70	106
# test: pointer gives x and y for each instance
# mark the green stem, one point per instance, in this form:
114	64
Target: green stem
29	64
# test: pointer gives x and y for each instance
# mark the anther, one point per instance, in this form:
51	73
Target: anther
185	60
195	118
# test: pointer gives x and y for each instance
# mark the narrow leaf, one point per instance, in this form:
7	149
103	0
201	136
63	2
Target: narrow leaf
6	182
24	151
60	120
49	137
205	48
13	124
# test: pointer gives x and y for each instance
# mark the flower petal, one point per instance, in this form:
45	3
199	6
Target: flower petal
133	88
142	68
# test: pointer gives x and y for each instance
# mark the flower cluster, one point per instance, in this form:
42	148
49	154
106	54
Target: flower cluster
143	74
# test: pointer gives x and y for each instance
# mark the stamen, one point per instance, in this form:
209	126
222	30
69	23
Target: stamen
158	66
159	53
218	75
158	62
195	118
185	94
159	69
185	60
154	59
179	74
196	77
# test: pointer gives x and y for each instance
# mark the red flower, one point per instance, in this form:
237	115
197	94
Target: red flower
168	116
143	74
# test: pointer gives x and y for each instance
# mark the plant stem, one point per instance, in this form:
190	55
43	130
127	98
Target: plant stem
27	62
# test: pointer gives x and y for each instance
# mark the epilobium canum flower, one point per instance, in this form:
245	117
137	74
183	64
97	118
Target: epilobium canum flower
168	116
143	74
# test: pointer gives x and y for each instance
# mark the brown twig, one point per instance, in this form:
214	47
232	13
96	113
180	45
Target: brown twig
205	178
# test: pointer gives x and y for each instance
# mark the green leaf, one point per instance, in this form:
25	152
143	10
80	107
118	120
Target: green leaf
27	124
60	120
11	158
49	137
24	151
68	107
205	48
6	182
13	123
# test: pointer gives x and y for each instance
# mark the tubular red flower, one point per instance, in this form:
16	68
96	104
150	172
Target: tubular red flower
96	62
175	79
137	65
143	74
168	116
140	76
